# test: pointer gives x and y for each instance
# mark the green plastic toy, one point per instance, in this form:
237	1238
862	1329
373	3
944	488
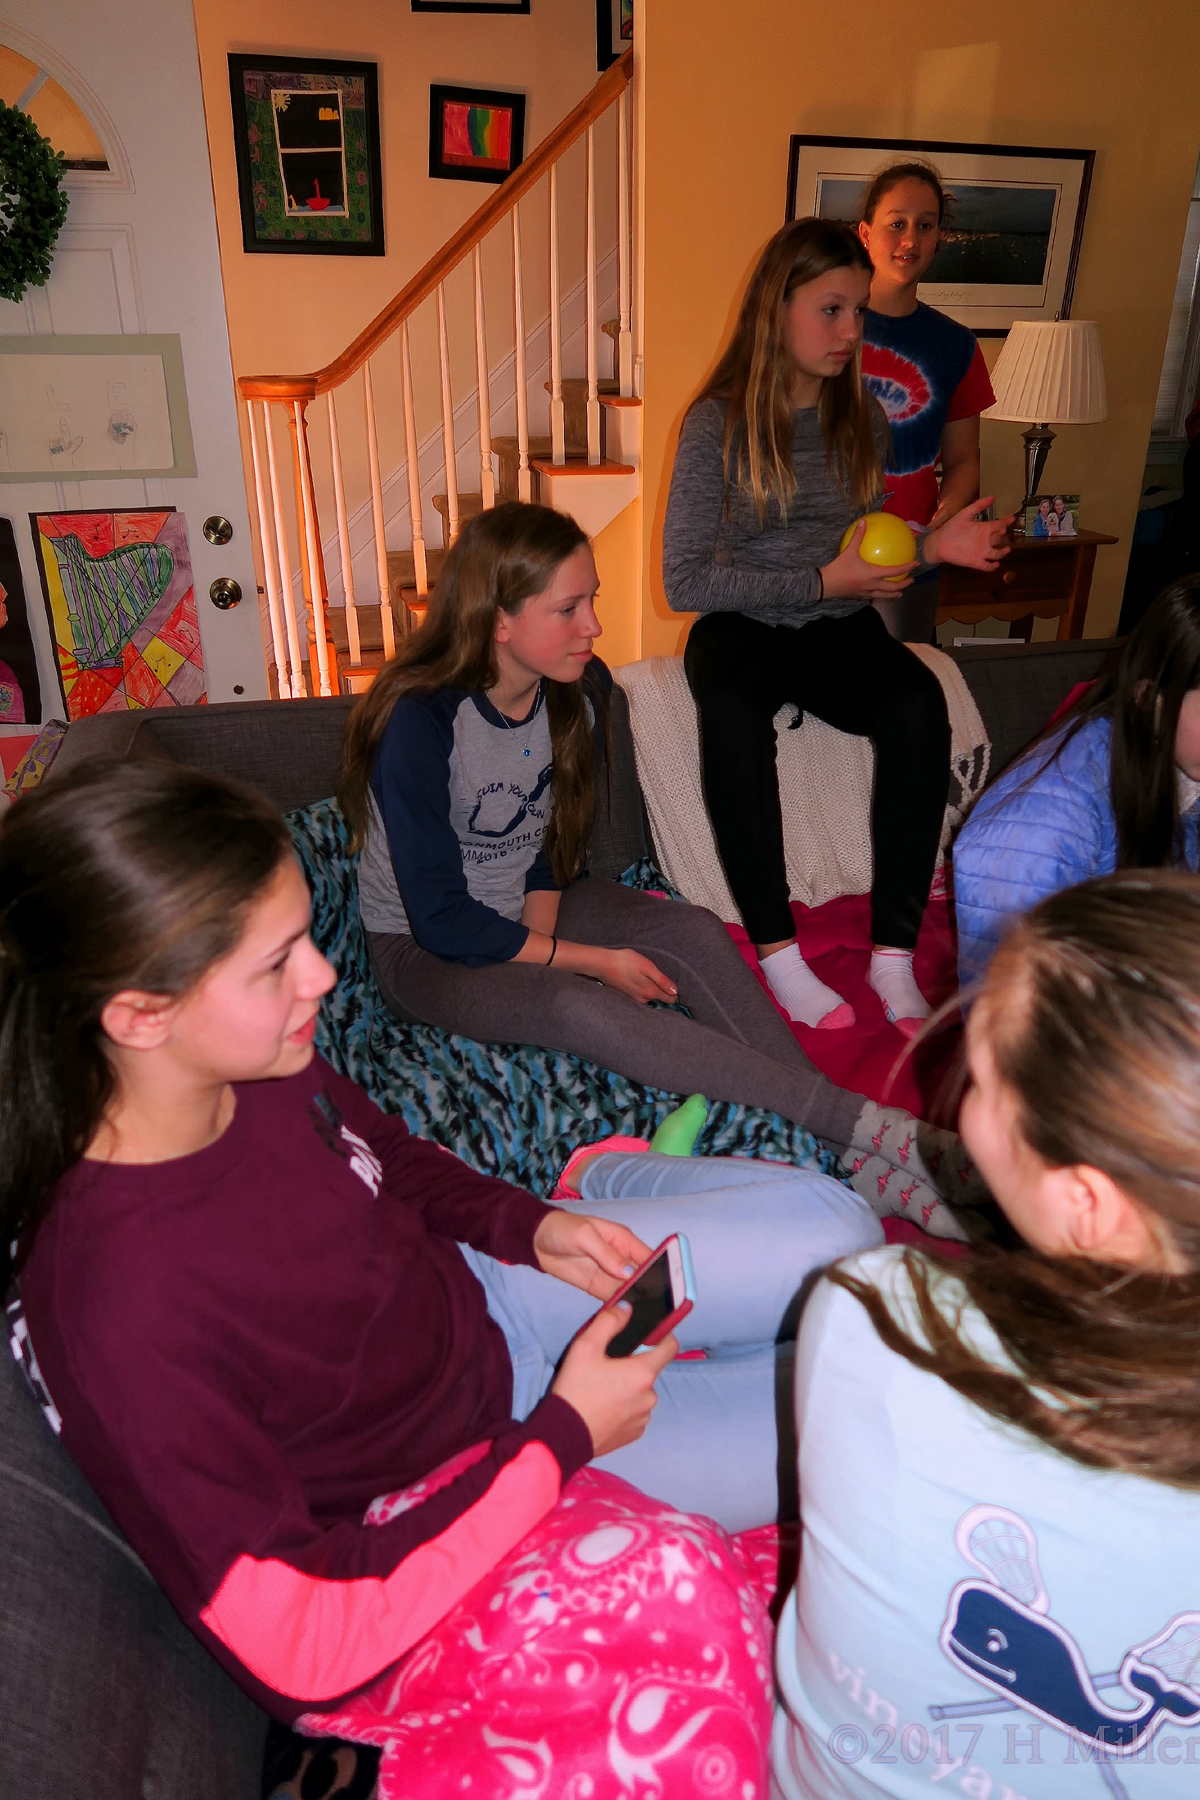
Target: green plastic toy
677	1134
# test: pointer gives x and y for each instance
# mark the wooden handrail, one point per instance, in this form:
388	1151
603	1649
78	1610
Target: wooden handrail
305	387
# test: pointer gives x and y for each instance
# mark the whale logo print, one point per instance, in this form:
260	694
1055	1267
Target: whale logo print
997	1631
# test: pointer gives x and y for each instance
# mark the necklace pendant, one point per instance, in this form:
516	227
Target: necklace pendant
525	753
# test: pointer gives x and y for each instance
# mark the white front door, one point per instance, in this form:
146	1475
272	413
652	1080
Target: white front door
138	254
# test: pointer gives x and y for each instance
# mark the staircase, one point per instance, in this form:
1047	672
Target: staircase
586	465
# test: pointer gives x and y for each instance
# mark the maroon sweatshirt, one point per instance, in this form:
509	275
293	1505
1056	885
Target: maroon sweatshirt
246	1346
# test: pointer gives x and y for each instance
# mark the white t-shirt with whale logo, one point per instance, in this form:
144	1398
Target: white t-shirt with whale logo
975	1613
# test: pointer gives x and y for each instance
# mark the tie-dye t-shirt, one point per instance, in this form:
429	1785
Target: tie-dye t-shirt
975	1613
925	370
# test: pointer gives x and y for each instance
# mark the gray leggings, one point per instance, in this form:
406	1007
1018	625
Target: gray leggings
734	1047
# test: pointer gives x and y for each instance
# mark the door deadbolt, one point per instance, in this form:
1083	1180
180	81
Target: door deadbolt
217	529
225	593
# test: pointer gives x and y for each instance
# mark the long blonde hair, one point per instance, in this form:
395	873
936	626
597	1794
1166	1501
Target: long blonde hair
1091	1010
500	560
754	377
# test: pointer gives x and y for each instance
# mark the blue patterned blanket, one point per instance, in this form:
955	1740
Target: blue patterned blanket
507	1109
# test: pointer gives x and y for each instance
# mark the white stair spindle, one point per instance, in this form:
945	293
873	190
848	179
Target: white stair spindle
558	423
447	415
593	401
411	457
387	622
524	472
266	538
311	551
287	588
487	478
339	496
624	250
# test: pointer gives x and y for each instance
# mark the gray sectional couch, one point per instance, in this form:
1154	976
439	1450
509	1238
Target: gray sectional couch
103	1693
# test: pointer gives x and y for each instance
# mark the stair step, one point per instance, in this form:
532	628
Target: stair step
577	469
468	506
402	573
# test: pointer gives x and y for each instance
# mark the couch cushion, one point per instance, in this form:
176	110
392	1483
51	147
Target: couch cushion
103	1691
1017	686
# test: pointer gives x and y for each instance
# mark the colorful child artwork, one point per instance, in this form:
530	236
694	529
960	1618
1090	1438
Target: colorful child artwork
20	690
474	134
614	30
306	132
122	611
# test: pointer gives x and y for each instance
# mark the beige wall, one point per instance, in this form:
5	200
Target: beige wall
720	101
292	313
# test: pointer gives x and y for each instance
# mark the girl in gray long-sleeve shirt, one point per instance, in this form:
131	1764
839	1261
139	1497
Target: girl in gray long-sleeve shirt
781	452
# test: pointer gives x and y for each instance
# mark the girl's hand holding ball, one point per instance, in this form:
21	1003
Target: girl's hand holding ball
875	560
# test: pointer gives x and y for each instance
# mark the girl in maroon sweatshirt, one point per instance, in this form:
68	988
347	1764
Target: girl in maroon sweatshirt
242	1291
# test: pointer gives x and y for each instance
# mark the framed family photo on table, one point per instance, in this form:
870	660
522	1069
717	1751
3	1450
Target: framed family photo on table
1013	226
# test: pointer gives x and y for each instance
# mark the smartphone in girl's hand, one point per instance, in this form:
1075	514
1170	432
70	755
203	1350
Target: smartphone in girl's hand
661	1293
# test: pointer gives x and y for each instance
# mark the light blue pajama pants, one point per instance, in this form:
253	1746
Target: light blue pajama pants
720	1439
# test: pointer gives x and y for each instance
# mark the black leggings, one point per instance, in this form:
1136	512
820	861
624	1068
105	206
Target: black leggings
854	675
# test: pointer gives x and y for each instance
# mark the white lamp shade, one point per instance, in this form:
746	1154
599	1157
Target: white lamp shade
1050	372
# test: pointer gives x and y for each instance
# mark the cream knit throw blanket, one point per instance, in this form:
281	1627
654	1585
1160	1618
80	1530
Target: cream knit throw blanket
825	780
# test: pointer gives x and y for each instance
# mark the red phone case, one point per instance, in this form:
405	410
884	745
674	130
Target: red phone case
669	1323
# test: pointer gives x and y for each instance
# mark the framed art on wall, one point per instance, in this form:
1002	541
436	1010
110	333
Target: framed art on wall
614	30
1014	218
306	133
492	6
122	610
475	134
20	689
88	408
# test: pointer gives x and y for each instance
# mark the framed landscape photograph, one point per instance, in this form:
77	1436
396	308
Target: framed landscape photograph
306	133
614	30
475	134
1014	218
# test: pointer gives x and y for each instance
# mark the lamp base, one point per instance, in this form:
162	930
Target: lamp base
1037	441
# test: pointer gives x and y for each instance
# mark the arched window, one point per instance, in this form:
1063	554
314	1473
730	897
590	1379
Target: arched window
56	115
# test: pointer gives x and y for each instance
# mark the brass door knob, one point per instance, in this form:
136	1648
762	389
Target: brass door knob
225	593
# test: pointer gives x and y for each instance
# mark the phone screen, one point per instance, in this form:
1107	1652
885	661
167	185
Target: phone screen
652	1302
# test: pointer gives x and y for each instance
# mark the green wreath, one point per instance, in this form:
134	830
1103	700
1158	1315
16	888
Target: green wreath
32	203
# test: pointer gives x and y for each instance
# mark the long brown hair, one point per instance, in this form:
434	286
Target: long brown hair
892	176
1158	667
1091	1011
501	559
754	377
120	875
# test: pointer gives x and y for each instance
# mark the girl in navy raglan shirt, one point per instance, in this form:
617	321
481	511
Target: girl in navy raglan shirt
473	767
251	1303
926	371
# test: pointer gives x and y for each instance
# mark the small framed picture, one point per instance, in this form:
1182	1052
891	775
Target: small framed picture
1052	516
306	133
475	134
614	30
493	6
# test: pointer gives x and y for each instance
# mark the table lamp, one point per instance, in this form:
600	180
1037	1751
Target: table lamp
1050	372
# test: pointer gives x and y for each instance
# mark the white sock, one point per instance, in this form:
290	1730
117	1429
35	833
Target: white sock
891	976
802	995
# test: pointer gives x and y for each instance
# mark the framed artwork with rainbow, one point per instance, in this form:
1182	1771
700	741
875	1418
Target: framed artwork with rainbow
475	134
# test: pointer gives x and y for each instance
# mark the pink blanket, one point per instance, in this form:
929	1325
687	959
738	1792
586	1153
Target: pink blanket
872	1057
622	1651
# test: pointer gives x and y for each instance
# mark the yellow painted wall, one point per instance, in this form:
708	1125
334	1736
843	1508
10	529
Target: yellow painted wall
721	98
617	551
293	313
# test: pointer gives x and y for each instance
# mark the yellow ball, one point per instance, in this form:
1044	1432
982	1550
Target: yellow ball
886	541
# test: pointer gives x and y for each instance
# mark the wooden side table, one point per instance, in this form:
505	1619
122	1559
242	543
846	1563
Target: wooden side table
1040	578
